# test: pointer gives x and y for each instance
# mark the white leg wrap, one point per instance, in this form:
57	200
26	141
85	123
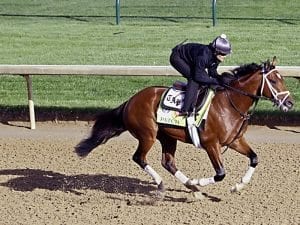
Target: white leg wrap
181	177
206	181
194	182
246	179
203	181
153	174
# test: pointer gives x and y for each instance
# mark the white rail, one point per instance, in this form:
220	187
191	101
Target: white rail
291	71
28	70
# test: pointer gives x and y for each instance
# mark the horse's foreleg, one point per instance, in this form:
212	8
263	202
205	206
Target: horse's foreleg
242	147
220	174
215	158
245	180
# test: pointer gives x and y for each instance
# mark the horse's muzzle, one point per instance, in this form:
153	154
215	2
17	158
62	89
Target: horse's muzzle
287	105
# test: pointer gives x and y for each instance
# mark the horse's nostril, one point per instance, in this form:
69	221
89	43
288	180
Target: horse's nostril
289	104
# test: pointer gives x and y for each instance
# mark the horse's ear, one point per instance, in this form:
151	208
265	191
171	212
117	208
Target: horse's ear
266	65
274	61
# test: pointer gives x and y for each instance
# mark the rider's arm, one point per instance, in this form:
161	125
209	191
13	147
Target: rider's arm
205	79
201	76
212	72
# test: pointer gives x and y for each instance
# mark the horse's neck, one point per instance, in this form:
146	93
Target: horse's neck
249	84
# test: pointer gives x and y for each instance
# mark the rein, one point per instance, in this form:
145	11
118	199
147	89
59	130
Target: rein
245	116
255	97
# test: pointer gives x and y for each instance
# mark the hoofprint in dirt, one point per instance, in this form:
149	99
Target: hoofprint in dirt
42	181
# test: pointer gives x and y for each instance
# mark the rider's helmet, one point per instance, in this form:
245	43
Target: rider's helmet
221	45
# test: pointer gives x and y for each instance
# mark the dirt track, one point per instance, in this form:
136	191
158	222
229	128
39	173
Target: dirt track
43	182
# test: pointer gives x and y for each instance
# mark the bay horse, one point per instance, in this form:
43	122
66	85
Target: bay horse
225	125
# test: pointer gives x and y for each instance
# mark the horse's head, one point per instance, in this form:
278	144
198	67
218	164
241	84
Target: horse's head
273	86
258	81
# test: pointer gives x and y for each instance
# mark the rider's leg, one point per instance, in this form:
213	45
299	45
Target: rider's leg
192	87
190	97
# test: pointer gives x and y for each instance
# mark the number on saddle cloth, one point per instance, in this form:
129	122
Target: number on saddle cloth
173	99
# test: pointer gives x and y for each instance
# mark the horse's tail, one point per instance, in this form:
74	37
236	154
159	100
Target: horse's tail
108	124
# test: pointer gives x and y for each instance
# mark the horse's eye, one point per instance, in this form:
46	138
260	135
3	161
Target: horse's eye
272	81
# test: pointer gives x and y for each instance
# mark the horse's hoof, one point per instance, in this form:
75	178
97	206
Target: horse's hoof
237	188
233	190
198	195
192	187
159	195
161	187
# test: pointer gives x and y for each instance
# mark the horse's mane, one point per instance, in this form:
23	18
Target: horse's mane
245	69
240	71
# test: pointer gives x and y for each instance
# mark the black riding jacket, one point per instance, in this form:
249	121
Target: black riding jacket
202	61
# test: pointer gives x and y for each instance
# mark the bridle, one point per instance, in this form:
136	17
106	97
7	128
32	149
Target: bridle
265	81
274	92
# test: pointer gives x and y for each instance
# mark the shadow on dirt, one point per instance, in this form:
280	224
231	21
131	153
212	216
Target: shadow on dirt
287	130
30	179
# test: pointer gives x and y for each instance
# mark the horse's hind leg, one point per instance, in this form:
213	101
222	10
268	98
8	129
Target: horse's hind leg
241	146
168	160
140	158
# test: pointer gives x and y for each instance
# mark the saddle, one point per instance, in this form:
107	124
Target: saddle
172	102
